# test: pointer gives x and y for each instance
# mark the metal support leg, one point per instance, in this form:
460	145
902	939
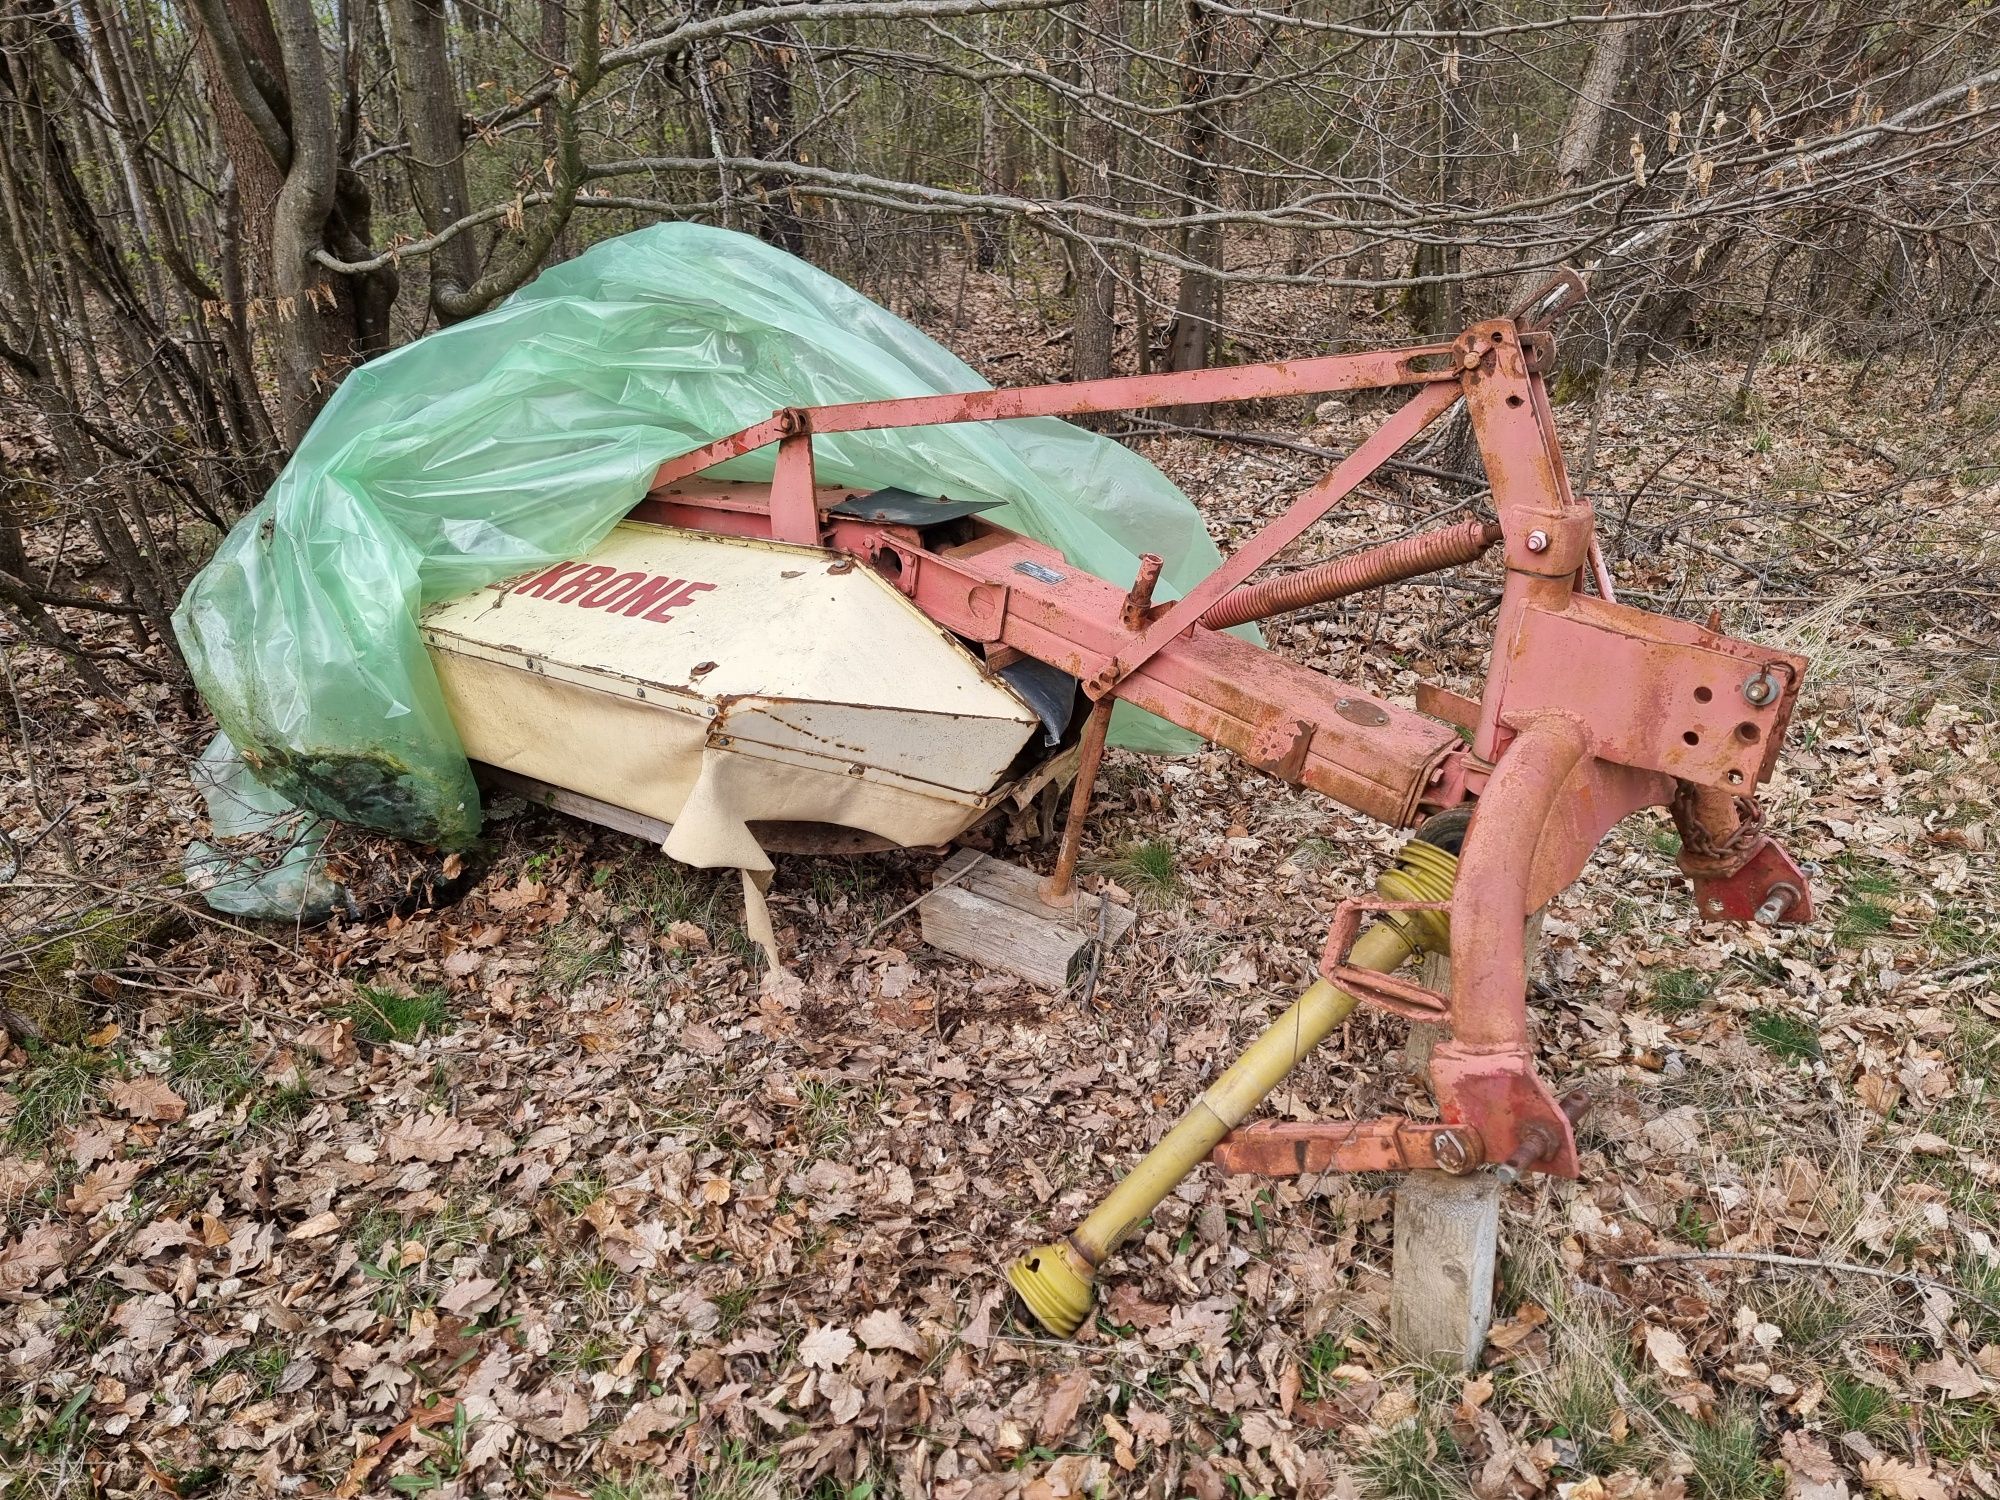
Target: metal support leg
1056	891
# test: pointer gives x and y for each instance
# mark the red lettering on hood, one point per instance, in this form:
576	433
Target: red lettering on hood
636	595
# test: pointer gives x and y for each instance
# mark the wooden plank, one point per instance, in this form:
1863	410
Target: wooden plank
992	912
575	804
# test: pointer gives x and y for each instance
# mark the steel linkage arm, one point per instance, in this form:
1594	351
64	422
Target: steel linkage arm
1590	710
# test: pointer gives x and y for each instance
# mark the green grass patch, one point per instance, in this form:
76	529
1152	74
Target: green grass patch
1725	1455
1317	854
1317	1362
1863	876
1860	920
733	1305
664	892
1813	1320
1678	991
825	1116
208	1064
1961	1432
1959	932
264	1363
735	1471
1979	1278
1417	1460
840	882
573	955
1148	869
54	1090
577	1193
1853	1405
1784	1035
384	1016
282	1105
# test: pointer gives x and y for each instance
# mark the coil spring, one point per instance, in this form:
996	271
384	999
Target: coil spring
1446	547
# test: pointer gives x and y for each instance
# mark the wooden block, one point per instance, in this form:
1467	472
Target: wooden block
1447	1228
992	912
1441	1281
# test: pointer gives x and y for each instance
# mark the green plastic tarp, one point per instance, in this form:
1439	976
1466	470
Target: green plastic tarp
518	438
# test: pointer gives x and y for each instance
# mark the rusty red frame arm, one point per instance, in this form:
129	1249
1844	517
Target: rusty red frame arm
1591	710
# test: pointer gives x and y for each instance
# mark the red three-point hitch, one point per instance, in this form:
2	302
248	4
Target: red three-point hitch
1590	711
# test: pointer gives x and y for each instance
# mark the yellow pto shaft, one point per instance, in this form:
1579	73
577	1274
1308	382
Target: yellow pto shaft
1056	1280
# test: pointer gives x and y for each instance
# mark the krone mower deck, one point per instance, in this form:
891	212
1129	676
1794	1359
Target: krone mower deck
892	664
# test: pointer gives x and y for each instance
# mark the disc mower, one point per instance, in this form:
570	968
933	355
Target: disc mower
881	668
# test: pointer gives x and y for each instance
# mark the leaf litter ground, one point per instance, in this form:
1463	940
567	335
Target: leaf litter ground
547	1191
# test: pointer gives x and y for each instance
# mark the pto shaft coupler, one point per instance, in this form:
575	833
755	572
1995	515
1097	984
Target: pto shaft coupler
1057	1281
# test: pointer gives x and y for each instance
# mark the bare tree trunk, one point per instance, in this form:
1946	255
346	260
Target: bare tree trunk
1583	128
276	114
1094	153
1437	301
298	219
769	105
992	176
1198	303
436	158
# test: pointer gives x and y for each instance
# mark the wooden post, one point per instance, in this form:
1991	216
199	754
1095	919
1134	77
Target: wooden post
1447	1239
1441	1279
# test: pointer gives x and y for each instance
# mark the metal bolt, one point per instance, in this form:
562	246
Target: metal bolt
1452	1153
1538	541
1763	689
1538	1143
1777	901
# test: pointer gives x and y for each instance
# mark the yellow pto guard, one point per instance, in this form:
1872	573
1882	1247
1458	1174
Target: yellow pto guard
1056	1281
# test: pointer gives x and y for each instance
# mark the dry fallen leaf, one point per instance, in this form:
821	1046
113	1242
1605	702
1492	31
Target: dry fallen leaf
146	1099
1810	1470
1669	1353
475	1294
37	1251
431	1138
102	1185
1064	1402
1900	1480
1952	1376
827	1347
885	1329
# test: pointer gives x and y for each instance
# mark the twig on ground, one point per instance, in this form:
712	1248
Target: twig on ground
909	906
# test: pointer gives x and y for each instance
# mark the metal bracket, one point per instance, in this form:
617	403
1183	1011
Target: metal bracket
1288	1148
1659	694
1401	997
1768	887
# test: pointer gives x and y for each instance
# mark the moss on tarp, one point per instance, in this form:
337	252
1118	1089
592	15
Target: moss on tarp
372	788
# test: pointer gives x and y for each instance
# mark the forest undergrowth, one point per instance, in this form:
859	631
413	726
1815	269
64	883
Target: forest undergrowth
541	1188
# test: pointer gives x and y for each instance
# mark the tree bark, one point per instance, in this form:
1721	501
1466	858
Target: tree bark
436	158
1437	301
1583	129
1093	166
1198	302
768	104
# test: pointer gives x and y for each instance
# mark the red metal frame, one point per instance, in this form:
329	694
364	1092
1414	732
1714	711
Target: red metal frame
1591	709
